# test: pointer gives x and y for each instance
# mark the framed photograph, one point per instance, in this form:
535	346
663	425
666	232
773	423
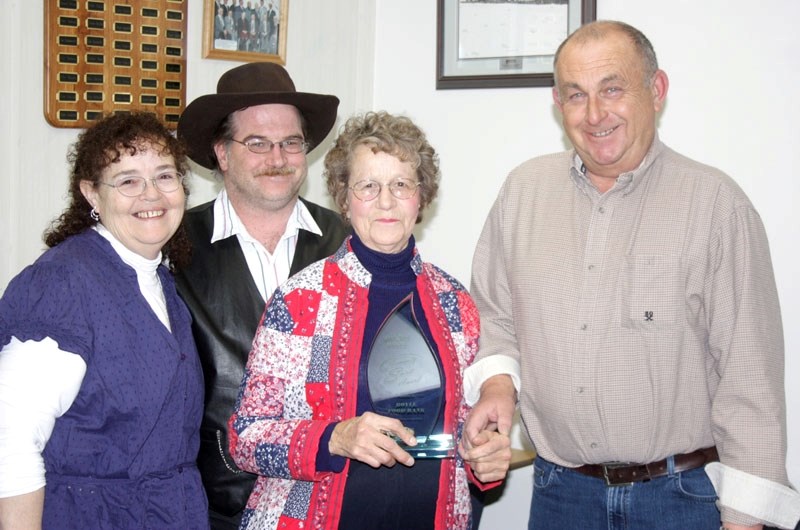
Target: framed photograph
245	30
503	43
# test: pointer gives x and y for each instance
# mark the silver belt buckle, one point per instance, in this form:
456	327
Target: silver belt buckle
614	465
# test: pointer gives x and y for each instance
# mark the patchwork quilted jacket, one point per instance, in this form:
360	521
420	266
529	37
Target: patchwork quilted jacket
302	375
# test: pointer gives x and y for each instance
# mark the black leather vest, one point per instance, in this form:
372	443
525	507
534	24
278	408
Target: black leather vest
226	308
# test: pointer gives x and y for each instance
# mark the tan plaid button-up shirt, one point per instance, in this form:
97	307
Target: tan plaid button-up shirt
645	320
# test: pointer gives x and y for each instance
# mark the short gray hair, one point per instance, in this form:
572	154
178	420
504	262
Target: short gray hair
600	29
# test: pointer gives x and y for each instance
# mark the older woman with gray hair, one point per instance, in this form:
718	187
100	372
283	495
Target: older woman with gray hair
329	402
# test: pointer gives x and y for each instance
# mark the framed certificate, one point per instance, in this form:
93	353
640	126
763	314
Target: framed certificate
491	44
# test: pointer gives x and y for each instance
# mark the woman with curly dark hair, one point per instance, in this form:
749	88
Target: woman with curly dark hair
101	390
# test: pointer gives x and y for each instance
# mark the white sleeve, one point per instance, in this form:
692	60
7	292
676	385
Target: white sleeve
755	496
479	372
38	383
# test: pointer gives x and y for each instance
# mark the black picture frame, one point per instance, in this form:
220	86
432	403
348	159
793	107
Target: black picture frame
490	69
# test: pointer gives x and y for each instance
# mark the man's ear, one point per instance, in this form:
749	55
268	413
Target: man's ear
221	151
659	86
557	97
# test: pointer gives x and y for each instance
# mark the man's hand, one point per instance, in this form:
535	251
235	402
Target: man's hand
364	438
490	456
494	411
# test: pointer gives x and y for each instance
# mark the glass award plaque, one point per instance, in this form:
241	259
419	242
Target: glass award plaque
405	381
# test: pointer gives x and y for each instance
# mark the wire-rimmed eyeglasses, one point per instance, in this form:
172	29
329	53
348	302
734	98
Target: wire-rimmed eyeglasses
366	190
135	186
261	146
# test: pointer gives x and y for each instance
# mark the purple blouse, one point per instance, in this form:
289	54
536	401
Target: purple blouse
123	455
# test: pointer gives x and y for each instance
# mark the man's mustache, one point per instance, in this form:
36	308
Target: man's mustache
277	172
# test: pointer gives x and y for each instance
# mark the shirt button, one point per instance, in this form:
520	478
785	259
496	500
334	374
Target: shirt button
593	445
183	357
591	267
580	390
584	327
601	209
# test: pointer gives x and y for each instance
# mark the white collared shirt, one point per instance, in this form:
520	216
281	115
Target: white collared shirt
268	270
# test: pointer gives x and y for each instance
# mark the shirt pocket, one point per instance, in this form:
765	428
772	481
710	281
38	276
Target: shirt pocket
652	293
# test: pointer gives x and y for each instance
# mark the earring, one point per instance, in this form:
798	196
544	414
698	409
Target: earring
94	215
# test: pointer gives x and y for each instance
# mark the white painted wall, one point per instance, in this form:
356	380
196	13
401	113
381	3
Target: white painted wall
733	70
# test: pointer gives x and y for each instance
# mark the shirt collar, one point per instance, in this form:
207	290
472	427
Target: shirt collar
227	222
131	258
628	180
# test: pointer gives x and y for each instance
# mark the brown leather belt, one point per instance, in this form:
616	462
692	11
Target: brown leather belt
624	473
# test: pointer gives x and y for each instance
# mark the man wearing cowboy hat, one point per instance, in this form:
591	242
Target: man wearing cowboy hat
255	133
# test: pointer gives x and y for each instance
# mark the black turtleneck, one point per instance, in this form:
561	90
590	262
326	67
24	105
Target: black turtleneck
393	280
398	497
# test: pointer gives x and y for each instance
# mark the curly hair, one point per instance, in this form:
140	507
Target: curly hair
381	131
103	144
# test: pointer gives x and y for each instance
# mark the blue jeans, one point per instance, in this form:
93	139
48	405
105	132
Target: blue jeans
564	499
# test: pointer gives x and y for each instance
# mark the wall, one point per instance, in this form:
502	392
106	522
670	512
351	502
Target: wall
33	184
733	74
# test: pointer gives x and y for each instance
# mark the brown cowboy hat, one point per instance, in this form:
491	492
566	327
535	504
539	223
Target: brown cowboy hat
246	86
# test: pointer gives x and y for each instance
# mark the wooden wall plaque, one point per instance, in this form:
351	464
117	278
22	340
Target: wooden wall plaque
108	56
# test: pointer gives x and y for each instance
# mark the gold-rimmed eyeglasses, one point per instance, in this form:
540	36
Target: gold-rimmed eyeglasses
261	146
366	190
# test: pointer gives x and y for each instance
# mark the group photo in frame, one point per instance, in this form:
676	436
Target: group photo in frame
503	43
245	30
